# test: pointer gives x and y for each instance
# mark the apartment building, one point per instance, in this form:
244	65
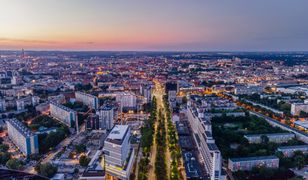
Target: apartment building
247	163
87	99
274	137
64	114
22	137
202	133
288	151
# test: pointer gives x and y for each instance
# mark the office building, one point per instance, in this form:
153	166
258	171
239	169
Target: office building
64	114
22	137
119	155
87	99
288	151
247	163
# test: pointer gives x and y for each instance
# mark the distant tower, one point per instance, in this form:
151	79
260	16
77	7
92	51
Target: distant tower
22	53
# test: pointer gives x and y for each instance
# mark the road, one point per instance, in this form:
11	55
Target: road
159	93
154	147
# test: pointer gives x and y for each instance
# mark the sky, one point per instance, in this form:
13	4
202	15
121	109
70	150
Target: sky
154	25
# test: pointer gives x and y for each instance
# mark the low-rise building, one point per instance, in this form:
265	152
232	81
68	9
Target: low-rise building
247	163
297	108
288	151
274	137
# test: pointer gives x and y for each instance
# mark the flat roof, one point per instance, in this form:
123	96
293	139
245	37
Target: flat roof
270	134
293	147
117	134
253	158
192	166
212	146
62	107
302	123
20	127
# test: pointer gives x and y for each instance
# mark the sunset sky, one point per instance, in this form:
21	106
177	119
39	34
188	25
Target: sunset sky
156	25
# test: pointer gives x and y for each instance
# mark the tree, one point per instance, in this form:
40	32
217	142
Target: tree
80	148
4	148
84	160
47	169
299	159
4	157
264	139
14	164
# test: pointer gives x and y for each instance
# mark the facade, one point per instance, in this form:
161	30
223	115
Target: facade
2	105
92	122
296	108
22	137
301	124
119	155
246	89
127	99
236	164
202	133
64	114
274	137
288	151
107	116
146	92
87	99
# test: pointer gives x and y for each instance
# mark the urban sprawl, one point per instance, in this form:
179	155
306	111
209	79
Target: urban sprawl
151	115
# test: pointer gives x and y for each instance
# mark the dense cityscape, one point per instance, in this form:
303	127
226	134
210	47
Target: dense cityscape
153	115
153	90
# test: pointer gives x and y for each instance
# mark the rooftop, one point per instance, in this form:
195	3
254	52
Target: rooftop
303	124
271	134
20	127
293	147
117	134
254	158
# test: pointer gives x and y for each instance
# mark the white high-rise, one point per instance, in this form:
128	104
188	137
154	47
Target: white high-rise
119	156
22	137
107	116
87	99
64	114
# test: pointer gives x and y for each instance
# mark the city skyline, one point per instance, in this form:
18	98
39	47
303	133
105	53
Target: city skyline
154	26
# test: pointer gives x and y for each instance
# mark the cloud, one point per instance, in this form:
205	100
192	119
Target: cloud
28	41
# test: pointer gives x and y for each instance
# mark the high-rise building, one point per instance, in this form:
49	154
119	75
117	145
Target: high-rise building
22	137
92	122
118	154
87	99
126	100
64	114
107	116
202	133
146	92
